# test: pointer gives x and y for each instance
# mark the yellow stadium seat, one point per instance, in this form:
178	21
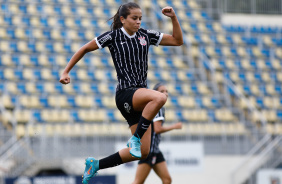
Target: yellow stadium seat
221	39
86	24
103	88
187	102
182	75
40	46
85	88
22	46
226	51
31	9
230	64
270	115
20	131
270	89
197	15
207	102
109	101
265	77
22	116
7	101
278	52
31	88
170	115
20	34
61	60
35	22
69	89
49	87
255	89
25	60
158	50
9	74
210	51
237	39
246	64
13	8
276	64
178	4
224	115
257	52
162	3
186	89
267	40
250	76
70	23
66	10
43	60
4	46
84	101
58	101
241	52
28	74
59	47
3	33
30	101
202	27
219	77
6	59
193	4
82	10
261	64
203	89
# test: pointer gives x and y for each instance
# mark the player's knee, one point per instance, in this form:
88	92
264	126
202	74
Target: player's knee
161	99
167	180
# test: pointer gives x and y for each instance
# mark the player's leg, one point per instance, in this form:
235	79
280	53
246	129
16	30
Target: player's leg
142	172
162	171
120	157
145	147
149	102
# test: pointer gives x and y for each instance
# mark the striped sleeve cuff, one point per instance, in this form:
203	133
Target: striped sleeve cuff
158	119
160	39
100	47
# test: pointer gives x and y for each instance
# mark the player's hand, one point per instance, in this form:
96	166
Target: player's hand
65	78
178	125
168	11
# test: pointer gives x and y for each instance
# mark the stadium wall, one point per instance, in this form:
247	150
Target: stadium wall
251	20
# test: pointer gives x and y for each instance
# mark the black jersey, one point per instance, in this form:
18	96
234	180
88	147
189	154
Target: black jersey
130	54
156	138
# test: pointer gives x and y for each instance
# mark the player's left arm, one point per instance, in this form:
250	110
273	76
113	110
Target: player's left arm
158	128
176	39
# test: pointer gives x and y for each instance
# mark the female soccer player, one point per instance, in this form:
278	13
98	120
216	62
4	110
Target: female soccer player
129	46
156	159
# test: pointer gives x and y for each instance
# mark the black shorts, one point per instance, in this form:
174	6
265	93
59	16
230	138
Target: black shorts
124	104
153	159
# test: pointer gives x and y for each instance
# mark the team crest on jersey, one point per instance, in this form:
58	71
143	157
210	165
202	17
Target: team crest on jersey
142	40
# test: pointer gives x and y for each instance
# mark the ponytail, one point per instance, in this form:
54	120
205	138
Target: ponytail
124	11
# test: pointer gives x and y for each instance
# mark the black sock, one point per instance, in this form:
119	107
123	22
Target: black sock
142	127
110	161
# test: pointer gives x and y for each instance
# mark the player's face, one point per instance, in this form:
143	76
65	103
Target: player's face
163	90
133	21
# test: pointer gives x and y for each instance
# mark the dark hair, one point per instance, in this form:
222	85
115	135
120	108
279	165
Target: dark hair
123	10
156	87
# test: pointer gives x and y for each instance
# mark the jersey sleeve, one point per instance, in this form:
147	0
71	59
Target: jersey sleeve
104	39
155	37
160	116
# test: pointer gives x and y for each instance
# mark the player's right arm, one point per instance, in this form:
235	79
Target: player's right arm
88	47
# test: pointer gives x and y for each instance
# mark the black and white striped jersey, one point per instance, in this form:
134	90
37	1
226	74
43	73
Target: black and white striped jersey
156	138
130	54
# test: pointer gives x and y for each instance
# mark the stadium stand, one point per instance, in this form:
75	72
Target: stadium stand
37	39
